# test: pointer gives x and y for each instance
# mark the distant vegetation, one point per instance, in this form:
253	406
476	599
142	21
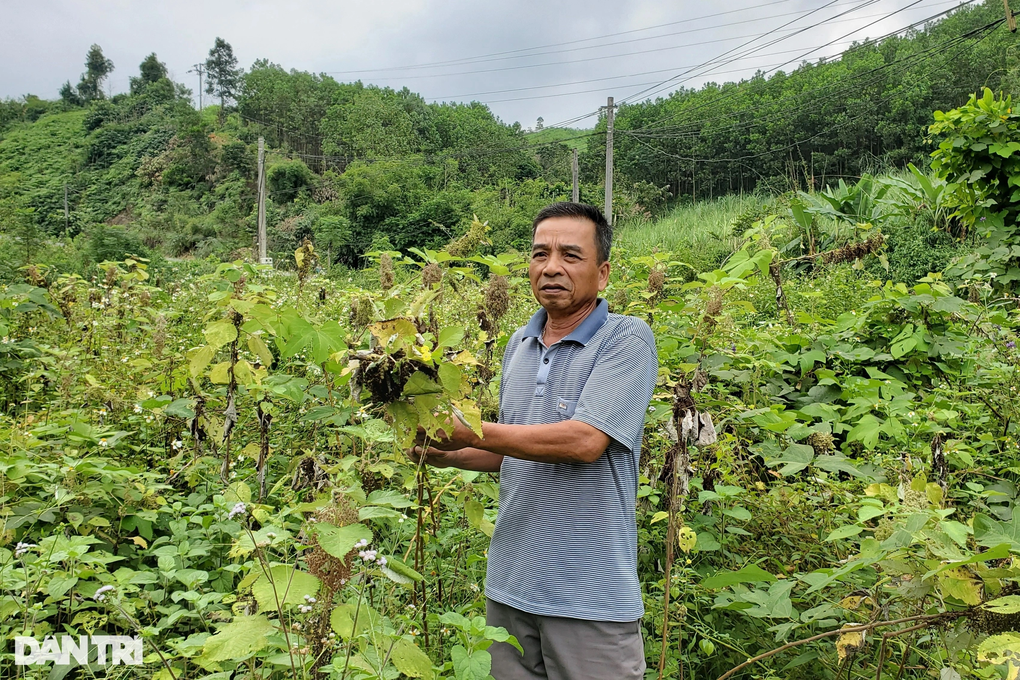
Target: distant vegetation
356	167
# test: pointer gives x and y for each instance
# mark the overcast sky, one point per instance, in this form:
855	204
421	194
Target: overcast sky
42	44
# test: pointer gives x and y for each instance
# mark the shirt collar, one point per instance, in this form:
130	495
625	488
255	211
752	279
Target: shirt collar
582	334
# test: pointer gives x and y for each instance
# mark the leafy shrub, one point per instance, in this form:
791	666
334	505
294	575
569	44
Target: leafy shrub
110	243
287	179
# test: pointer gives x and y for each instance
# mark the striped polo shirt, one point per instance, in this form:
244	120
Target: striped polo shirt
565	542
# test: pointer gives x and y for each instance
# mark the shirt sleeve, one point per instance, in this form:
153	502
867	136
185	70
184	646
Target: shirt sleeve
616	395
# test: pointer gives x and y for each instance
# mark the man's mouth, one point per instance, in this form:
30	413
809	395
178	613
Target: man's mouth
552	288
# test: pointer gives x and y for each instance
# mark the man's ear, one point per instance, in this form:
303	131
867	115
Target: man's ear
604	275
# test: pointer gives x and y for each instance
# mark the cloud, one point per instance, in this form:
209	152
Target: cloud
44	43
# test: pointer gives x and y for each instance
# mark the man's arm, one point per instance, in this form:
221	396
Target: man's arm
463	459
570	441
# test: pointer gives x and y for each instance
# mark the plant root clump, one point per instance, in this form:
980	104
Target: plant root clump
362	312
854	251
386	274
821	442
984	621
431	275
656	282
385	378
470	241
497	296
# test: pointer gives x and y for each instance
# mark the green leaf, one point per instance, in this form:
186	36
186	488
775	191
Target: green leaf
419	383
398	572
844	532
220	333
238	639
319	341
339	541
866	431
1010	604
476	517
389	497
410	660
749	574
796	456
286	584
838	463
869	512
259	349
59	585
476	666
738	512
450	375
450	336
990	533
200	358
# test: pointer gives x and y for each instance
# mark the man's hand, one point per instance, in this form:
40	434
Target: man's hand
452	437
432	456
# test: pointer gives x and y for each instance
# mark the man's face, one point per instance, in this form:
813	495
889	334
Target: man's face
565	272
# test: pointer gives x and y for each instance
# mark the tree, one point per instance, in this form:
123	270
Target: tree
97	67
540	123
151	70
223	77
69	95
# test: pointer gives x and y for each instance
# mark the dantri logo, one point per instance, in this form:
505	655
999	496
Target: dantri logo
110	649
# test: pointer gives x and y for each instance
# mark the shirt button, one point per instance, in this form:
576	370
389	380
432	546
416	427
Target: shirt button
546	360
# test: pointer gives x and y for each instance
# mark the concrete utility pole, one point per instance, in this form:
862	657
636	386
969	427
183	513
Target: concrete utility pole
1010	19
576	195
262	203
200	70
609	160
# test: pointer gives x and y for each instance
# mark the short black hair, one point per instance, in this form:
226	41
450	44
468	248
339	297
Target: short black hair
581	211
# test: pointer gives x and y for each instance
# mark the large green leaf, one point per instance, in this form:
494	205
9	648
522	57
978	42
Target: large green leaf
990	533
750	574
319	341
410	660
238	639
284	584
339	541
476	666
220	333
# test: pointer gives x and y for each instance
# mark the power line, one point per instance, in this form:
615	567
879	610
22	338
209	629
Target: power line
595	47
670	82
462	60
987	30
657	124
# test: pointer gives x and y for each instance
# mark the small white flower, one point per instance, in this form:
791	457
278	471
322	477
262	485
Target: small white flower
101	593
138	408
103	443
238	509
381	561
177	445
22	548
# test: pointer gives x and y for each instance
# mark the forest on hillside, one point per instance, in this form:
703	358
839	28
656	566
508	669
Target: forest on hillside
358	167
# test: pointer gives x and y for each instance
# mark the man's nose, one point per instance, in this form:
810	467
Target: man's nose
553	266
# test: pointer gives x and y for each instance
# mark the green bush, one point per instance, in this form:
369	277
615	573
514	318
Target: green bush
112	243
287	179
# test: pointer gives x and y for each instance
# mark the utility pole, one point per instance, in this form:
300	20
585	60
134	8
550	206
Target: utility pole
1010	19
262	203
200	70
576	195
67	215
609	160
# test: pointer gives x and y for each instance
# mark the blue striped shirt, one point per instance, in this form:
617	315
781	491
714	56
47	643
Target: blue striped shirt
565	542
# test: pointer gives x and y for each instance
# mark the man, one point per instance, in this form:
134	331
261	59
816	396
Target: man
562	567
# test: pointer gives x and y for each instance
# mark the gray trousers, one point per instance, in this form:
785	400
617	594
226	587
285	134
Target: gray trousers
565	649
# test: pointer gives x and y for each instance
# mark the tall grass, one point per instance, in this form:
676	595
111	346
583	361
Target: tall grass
700	234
